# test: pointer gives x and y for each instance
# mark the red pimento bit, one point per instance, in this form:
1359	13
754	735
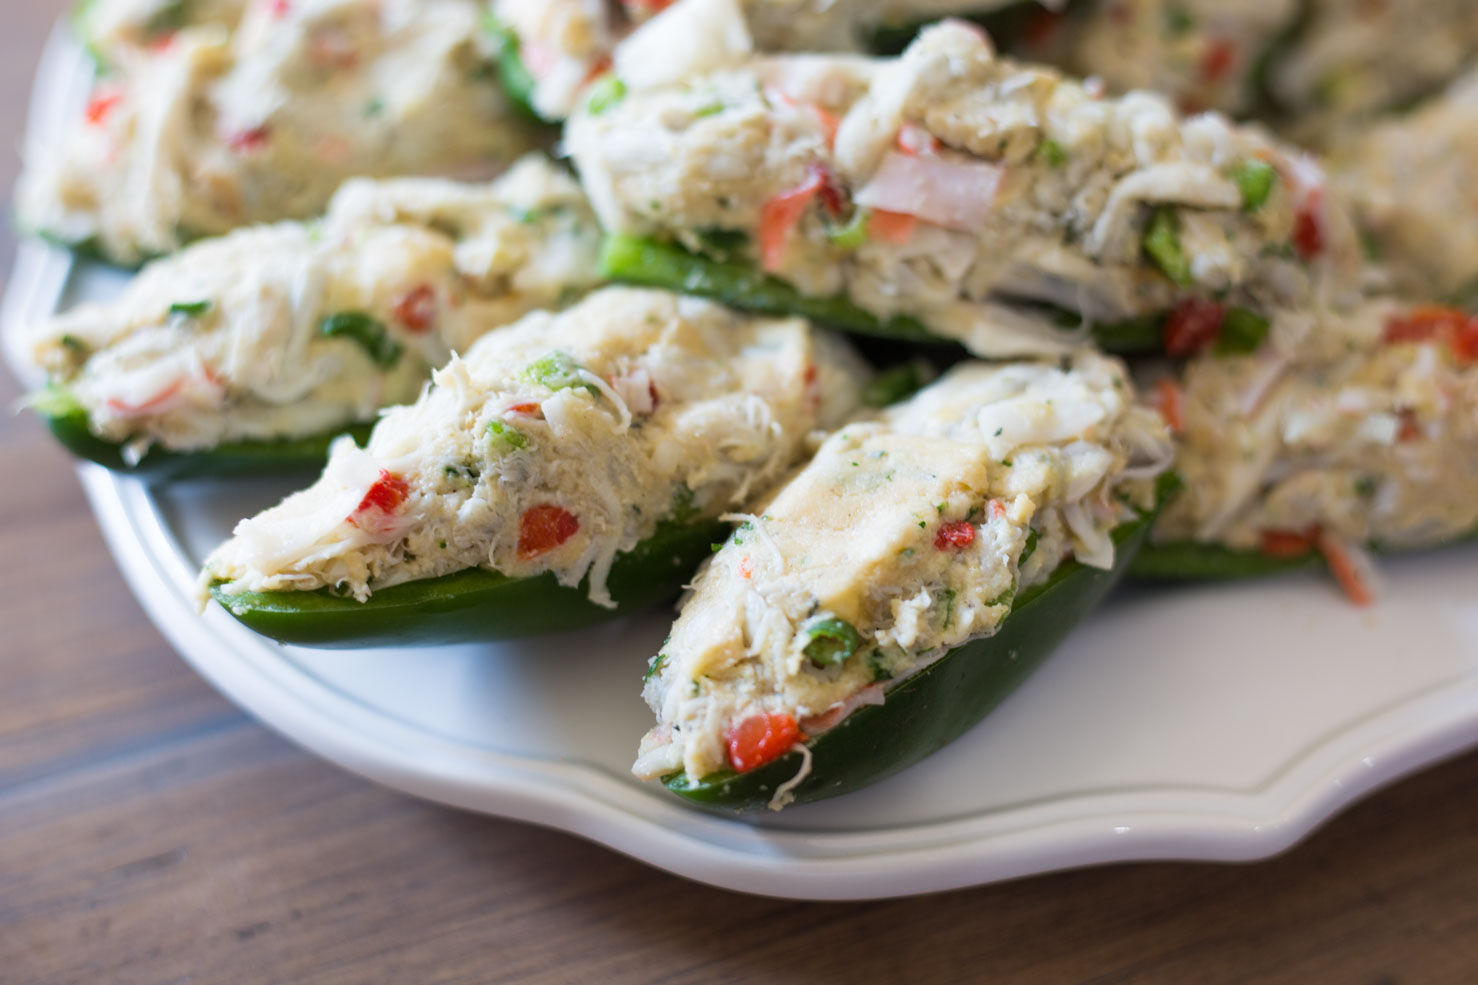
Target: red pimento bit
249	140
1288	543
1170	402
384	497
101	106
1308	229
416	308
543	528
891	227
760	739
531	410
746	568
1218	61
1193	325
959	534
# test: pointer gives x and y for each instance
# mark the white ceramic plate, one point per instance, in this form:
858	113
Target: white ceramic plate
1216	724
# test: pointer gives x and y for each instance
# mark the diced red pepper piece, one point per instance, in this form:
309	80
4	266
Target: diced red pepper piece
1218	61
959	534
891	227
101	106
153	404
1465	342
1308	229
1170	402
1193	325
249	140
1287	543
779	217
543	528
530	409
416	308
384	497
1411	426
1425	324
760	739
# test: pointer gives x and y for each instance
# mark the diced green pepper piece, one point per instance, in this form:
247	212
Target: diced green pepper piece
504	438
476	604
557	371
608	93
1242	332
1162	245
1255	180
368	332
830	640
853	234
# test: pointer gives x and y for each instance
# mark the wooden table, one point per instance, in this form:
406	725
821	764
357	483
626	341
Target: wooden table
151	833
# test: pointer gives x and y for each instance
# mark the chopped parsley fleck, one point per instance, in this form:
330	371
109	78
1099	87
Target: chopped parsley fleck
557	371
1051	153
370	334
190	309
654	666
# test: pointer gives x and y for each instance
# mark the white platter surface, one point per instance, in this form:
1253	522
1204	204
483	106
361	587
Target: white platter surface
1211	723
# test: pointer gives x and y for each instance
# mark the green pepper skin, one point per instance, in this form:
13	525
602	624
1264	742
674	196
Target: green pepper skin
1189	561
937	705
648	263
518	82
1006	26
234	458
477	605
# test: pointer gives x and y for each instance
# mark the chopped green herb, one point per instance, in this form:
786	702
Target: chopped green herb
949	607
73	345
1178	21
1242	331
504	438
716	547
370	334
190	309
374	108
1029	549
607	93
1051	153
1162	244
654	666
1365	486
830	640
709	109
1255	181
172	16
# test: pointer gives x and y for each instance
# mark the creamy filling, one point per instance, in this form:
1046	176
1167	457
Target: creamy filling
905	537
223	128
555	445
298	328
948	178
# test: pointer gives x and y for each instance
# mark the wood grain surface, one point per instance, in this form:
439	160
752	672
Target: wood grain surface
150	833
